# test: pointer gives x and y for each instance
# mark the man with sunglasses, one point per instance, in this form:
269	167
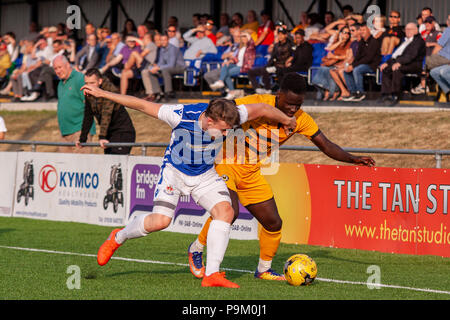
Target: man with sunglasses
393	35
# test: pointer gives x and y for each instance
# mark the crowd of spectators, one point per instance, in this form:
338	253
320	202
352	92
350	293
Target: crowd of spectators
335	53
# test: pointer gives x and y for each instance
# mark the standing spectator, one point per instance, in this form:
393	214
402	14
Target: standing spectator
367	59
302	56
279	57
407	58
238	62
115	123
337	53
431	37
265	29
393	35
71	102
3	129
87	57
170	62
200	44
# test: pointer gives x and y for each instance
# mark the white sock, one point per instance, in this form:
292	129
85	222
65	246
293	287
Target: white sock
264	265
217	242
196	246
134	229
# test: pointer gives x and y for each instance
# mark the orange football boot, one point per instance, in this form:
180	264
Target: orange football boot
217	279
108	248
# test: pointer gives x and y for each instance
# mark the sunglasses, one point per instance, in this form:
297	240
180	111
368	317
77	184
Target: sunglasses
345	32
394	17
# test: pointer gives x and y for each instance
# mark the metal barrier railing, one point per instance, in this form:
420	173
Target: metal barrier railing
438	154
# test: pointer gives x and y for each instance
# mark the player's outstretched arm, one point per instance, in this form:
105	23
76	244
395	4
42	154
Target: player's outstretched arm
144	106
337	153
262	110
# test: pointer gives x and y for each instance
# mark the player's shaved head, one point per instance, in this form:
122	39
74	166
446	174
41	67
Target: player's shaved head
293	82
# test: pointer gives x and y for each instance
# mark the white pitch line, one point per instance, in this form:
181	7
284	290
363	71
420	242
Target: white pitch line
226	269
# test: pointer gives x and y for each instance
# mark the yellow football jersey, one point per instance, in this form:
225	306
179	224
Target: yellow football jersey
261	135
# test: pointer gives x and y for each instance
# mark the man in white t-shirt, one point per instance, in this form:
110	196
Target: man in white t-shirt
2	129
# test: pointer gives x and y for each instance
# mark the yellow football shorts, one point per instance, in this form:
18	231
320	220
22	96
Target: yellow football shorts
247	181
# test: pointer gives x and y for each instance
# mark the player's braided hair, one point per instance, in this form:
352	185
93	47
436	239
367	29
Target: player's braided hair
223	109
293	82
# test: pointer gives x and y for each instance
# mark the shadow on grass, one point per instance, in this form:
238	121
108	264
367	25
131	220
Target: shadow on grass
6	230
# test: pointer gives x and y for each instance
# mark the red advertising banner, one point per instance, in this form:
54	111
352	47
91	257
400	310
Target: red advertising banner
382	209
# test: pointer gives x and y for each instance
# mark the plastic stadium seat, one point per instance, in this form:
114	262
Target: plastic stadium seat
261	50
318	53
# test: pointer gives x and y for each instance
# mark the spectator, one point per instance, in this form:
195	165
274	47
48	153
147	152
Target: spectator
313	25
378	31
265	29
323	35
89	29
173	22
173	38
239	61
13	48
142	30
113	58
303	22
46	72
209	27
128	70
302	56
129	28
441	75
251	23
5	61
223	34
199	44
338	73
170	62
88	57
393	35
337	53
3	129
20	77
407	58
71	102
196	19
330	32
113	119
281	52
427	12
367	59
238	19
347	10
431	37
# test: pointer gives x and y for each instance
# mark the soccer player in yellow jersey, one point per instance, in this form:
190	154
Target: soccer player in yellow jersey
246	183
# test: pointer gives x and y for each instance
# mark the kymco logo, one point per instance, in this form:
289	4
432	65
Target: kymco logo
48	178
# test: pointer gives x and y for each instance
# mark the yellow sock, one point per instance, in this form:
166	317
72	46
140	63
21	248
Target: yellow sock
268	244
203	235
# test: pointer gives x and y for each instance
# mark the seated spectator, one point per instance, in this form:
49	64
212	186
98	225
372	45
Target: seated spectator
427	12
112	57
12	46
378	30
45	75
170	61
279	57
237	18
431	37
265	30
172	34
337	53
303	22
200	44
5	61
3	129
209	27
313	25
223	34
323	35
20	77
393	34
330	32
367	59
129	28
441	75
239	61
173	22
88	57
128	71
338	73
407	58
302	57
251	23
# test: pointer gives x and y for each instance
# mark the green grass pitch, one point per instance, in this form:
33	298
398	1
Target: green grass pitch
156	268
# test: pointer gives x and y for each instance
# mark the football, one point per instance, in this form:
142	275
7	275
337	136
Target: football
300	270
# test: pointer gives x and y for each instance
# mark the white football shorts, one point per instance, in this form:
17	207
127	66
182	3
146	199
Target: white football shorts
207	190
